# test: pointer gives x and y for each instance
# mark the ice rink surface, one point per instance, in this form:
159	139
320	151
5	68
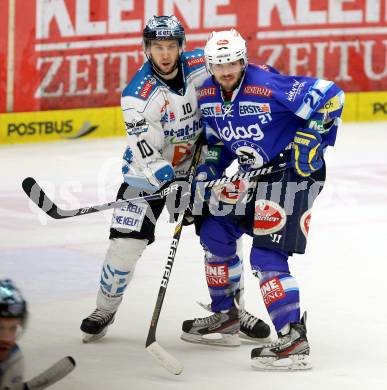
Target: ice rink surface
57	263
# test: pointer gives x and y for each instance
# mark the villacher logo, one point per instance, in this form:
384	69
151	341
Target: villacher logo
269	217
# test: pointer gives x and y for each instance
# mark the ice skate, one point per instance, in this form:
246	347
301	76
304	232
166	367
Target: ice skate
289	352
95	326
252	328
218	329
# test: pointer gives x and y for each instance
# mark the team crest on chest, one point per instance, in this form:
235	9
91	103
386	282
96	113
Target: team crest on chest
249	154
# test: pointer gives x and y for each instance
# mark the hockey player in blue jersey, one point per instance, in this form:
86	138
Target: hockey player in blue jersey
260	117
162	119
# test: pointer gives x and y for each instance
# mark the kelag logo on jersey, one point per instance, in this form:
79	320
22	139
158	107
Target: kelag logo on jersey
211	109
253	132
253	108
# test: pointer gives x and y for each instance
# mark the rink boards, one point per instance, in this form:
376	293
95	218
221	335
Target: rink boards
43	126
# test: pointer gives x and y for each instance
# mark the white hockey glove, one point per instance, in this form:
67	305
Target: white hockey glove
159	172
149	178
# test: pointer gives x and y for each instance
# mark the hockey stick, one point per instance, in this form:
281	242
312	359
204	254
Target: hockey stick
52	375
169	362
40	198
247	175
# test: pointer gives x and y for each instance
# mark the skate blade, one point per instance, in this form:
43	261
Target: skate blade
91	338
291	363
256	340
223	340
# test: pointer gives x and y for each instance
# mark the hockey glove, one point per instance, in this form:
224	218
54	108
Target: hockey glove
307	152
204	172
155	173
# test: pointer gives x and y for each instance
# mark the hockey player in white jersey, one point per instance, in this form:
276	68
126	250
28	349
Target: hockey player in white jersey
13	315
163	123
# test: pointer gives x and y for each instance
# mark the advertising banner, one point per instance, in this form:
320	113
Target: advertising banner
81	53
3	54
59	125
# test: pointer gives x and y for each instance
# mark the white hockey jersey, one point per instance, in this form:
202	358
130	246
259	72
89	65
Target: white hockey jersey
12	370
160	123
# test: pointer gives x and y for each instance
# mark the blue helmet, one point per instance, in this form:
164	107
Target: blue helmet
12	303
162	28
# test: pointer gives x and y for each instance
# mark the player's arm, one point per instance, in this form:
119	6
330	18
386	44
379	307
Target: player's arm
320	130
320	103
218	157
326	116
143	165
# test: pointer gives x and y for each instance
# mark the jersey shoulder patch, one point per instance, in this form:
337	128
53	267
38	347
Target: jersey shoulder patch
142	83
193	60
257	83
207	89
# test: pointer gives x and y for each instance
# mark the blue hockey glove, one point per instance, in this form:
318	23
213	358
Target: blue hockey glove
307	152
163	172
205	172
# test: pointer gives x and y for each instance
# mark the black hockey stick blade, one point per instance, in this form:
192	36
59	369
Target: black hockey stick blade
39	197
52	375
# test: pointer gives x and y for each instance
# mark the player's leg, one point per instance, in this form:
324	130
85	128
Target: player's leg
281	296
251	327
223	270
281	228
132	229
223	274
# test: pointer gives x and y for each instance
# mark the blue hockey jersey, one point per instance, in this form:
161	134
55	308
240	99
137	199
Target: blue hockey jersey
265	112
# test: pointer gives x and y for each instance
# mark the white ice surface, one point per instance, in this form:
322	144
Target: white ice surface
57	265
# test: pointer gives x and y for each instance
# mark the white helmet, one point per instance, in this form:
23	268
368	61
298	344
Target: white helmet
225	46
